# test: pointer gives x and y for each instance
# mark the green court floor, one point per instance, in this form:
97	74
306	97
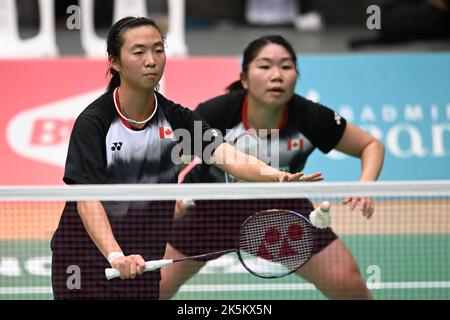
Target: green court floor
394	266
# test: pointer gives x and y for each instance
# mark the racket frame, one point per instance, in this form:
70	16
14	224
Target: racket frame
157	264
271	211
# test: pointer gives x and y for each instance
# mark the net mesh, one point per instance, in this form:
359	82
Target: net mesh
402	252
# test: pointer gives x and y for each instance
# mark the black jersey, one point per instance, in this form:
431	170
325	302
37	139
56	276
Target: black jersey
103	150
306	125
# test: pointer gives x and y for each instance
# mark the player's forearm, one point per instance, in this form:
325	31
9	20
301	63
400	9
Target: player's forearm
257	172
97	226
372	159
243	166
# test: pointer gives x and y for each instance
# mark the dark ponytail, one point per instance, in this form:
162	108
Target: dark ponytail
114	82
115	41
252	50
235	86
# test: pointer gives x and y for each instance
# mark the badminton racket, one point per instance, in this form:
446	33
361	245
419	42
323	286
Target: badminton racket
272	243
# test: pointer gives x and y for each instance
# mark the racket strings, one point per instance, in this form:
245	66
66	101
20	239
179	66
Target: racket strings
275	243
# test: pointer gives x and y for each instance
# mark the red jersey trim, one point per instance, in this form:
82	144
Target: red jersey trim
119	107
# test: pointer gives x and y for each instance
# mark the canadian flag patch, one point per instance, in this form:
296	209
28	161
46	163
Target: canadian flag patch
295	144
165	133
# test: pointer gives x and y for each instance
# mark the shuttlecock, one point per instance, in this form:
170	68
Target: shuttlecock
325	206
320	217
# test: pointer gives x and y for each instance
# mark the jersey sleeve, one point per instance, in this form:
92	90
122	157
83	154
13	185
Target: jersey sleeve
322	126
211	115
86	158
222	112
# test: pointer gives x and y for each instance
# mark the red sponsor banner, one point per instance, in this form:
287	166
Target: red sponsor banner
193	80
42	98
28	86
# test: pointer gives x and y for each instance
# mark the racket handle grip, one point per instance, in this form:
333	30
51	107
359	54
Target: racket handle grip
112	273
156	264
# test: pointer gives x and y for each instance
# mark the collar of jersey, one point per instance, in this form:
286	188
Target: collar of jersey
119	110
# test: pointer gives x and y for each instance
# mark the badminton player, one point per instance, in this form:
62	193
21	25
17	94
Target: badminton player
264	98
128	135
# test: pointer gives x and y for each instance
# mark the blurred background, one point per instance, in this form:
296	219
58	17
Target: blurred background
217	27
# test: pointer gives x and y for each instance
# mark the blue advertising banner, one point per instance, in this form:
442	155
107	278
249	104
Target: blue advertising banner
402	99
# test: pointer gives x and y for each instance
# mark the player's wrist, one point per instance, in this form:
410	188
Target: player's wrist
281	176
113	256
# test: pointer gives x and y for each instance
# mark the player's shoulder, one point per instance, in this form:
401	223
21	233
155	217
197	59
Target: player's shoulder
165	103
303	108
100	111
299	103
222	110
223	103
174	112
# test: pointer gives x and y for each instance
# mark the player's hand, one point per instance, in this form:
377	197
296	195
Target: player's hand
365	205
129	266
300	176
182	206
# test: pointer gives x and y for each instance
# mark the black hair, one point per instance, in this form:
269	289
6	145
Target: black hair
253	49
115	42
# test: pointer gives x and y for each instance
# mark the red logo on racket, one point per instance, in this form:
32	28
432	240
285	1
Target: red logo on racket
273	237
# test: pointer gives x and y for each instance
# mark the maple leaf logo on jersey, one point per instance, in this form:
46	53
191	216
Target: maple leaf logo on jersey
295	144
165	133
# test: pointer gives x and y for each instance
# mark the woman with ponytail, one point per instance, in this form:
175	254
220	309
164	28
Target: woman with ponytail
262	100
128	135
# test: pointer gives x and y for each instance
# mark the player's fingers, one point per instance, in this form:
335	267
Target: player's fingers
292	177
140	264
367	207
297	175
121	269
182	206
347	200
133	267
313	177
319	178
353	203
370	212
363	205
283	178
370	208
126	269
178	205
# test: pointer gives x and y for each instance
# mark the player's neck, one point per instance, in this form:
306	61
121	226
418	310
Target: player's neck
138	104
263	117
